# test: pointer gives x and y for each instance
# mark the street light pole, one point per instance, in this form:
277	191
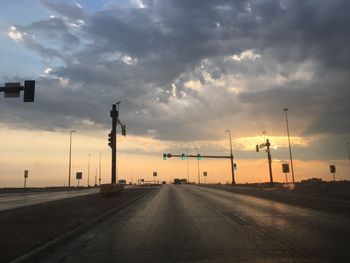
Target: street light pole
232	168
290	149
70	156
188	167
89	171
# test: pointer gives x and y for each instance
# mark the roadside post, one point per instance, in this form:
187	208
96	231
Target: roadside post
25	178
285	170
333	170
79	176
155	175
205	174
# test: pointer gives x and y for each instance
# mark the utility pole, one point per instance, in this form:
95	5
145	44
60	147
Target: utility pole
290	149
89	171
347	146
232	167
70	156
188	167
198	164
99	172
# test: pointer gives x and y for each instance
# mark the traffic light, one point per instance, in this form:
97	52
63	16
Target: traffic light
29	89
257	148
164	156
198	156
183	156
123	130
110	139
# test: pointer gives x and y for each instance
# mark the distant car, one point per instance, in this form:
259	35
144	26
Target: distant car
163	182
122	182
177	181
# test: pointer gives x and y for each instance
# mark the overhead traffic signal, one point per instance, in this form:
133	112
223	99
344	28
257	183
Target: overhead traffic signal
198	156
257	148
183	156
29	89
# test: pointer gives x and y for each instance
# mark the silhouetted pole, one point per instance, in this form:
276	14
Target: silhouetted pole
347	146
70	156
231	158
199	175
89	171
99	172
290	148
188	167
114	115
269	159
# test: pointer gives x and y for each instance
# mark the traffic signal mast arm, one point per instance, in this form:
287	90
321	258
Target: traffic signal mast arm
195	156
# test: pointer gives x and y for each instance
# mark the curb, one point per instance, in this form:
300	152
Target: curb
44	250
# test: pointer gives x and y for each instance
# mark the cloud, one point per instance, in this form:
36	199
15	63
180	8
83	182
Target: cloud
188	70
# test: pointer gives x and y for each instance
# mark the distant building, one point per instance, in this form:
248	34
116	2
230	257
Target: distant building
312	180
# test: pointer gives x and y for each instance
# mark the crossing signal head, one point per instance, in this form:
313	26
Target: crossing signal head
164	156
183	156
110	139
198	156
257	148
123	130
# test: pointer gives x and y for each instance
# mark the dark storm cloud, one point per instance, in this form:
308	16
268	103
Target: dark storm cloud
298	58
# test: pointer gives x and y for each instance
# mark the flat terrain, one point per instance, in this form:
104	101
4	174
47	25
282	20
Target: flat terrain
187	223
330	197
25	228
10	200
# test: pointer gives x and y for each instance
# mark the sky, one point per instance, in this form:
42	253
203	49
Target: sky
185	71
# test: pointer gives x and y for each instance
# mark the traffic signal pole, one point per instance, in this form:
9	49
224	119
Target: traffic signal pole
114	115
113	139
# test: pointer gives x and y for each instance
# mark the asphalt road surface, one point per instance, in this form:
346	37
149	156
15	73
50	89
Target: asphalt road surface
184	223
14	200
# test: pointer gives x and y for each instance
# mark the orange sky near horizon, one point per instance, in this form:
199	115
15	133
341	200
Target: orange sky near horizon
46	155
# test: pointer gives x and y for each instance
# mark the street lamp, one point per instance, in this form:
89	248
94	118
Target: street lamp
89	171
232	168
70	156
290	149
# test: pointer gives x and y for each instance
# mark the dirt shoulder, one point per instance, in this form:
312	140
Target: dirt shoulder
331	197
23	229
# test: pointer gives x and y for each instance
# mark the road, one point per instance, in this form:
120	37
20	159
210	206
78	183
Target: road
185	223
14	200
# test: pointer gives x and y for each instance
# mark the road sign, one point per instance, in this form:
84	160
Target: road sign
205	174
332	169
79	175
12	90
154	173
25	173
285	167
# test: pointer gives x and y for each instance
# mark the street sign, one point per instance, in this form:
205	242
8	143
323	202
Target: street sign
154	173
12	90
79	175
205	174
285	167
332	169
25	173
